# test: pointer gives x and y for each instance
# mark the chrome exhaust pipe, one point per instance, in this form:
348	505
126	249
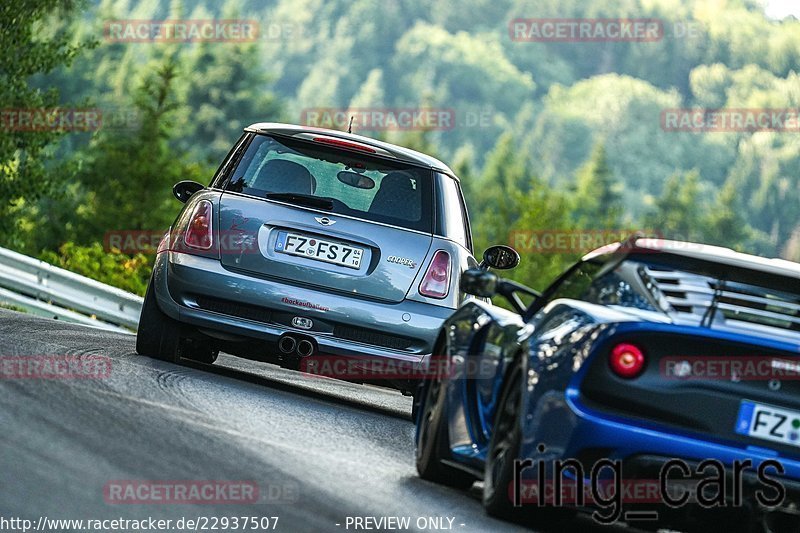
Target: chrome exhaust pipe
305	348
287	344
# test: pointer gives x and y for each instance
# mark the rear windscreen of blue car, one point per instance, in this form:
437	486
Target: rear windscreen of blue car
337	181
686	289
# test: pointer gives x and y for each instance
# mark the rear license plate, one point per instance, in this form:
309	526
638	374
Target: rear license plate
769	423
319	249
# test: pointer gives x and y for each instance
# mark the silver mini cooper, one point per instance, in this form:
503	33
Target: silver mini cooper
312	243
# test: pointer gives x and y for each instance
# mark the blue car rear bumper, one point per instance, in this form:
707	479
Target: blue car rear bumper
583	428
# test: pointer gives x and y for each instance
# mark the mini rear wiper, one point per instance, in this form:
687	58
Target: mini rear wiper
302	199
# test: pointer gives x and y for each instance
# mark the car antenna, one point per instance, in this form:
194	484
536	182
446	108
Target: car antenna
350	126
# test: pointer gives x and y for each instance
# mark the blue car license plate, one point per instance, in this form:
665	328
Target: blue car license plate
768	422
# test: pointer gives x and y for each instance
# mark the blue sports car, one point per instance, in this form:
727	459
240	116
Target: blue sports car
654	382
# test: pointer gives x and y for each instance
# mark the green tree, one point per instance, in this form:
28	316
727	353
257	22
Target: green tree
227	89
598	201
371	93
128	178
28	48
626	114
464	167
505	180
545	213
724	223
678	211
792	249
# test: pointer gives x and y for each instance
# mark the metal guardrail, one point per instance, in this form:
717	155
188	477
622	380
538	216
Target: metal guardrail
47	290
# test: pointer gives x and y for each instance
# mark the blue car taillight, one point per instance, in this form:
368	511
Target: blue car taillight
626	360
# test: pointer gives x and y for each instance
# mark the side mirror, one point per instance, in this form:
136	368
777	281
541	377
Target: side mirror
500	257
479	282
183	190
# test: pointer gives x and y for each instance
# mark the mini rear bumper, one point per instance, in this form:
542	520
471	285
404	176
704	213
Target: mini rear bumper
257	308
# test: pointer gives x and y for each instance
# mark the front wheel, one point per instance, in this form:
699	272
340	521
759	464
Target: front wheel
432	443
504	449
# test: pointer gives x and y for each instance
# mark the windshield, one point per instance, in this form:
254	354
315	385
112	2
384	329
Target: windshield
601	283
337	181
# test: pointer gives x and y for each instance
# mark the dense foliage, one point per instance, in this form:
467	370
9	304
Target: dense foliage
548	136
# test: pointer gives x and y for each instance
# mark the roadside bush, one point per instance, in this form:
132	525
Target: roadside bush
127	272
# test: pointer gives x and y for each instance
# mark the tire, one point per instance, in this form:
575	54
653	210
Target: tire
504	448
161	337
200	349
433	438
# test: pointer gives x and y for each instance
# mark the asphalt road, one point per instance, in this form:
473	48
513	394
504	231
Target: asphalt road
318	450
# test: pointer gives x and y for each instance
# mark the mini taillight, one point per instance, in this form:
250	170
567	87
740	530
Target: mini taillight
198	232
436	282
626	360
